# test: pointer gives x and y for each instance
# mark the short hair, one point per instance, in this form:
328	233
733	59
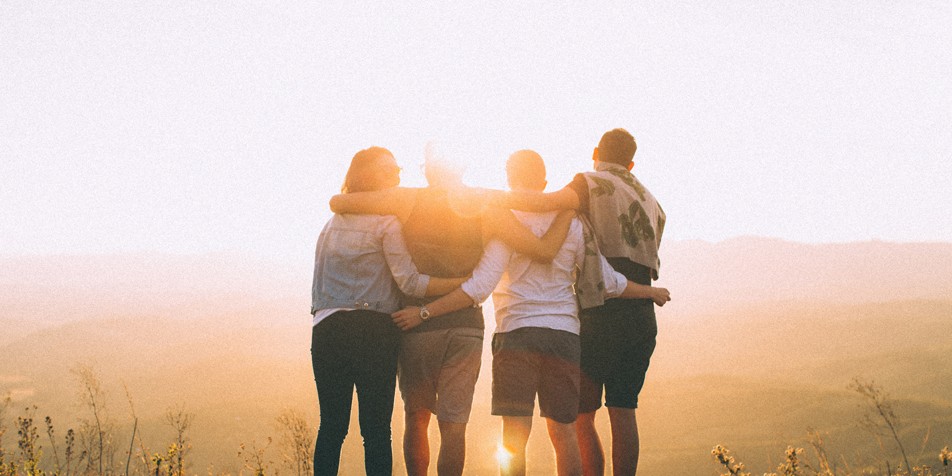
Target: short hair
361	175
617	146
525	168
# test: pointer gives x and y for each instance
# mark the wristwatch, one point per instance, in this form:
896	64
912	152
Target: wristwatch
424	313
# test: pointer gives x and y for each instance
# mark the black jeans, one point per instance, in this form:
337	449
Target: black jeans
355	349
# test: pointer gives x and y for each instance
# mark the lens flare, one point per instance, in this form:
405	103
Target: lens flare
503	457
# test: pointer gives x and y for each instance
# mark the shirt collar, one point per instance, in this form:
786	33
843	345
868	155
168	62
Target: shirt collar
606	166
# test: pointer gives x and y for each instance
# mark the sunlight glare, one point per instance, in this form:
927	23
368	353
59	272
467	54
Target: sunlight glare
503	457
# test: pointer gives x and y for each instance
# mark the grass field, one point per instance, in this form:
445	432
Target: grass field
753	375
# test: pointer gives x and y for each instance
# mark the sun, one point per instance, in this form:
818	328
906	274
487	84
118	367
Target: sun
503	456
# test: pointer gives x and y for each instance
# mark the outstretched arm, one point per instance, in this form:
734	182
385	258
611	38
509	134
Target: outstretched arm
503	225
392	201
616	285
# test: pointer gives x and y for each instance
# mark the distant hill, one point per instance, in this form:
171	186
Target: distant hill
703	276
38	291
792	336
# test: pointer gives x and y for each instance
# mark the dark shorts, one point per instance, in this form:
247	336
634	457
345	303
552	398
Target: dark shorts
617	340
533	360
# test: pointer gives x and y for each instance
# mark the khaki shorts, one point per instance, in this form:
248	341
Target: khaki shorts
438	370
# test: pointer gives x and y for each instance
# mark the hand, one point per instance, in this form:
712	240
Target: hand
407	318
660	296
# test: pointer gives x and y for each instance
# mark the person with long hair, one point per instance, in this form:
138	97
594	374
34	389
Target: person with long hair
361	265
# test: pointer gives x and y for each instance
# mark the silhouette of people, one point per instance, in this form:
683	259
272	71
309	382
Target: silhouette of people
536	347
439	359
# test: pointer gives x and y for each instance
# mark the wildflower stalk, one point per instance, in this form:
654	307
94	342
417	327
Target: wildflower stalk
49	433
135	427
296	440
4	404
733	467
70	442
143	451
255	460
92	398
878	401
945	456
816	441
180	421
30	452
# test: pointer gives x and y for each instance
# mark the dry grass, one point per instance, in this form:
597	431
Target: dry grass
98	448
880	420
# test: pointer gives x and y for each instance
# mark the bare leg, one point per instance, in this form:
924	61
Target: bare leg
452	449
590	447
625	445
416	442
565	441
515	434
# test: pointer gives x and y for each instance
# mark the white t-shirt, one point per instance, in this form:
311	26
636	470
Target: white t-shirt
532	294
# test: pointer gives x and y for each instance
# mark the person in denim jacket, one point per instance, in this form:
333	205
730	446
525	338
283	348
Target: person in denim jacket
361	266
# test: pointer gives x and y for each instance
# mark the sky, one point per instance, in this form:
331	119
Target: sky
197	127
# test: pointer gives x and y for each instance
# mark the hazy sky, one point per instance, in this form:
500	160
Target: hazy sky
190	127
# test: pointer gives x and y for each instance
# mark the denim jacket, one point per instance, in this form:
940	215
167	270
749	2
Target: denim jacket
362	262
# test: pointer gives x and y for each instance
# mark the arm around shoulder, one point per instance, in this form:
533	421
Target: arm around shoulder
502	224
564	199
392	201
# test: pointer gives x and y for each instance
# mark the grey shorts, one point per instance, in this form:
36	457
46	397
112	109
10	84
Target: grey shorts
438	370
535	360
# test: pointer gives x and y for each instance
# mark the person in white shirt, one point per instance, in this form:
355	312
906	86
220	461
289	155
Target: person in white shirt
536	347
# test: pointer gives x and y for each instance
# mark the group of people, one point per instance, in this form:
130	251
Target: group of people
399	276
